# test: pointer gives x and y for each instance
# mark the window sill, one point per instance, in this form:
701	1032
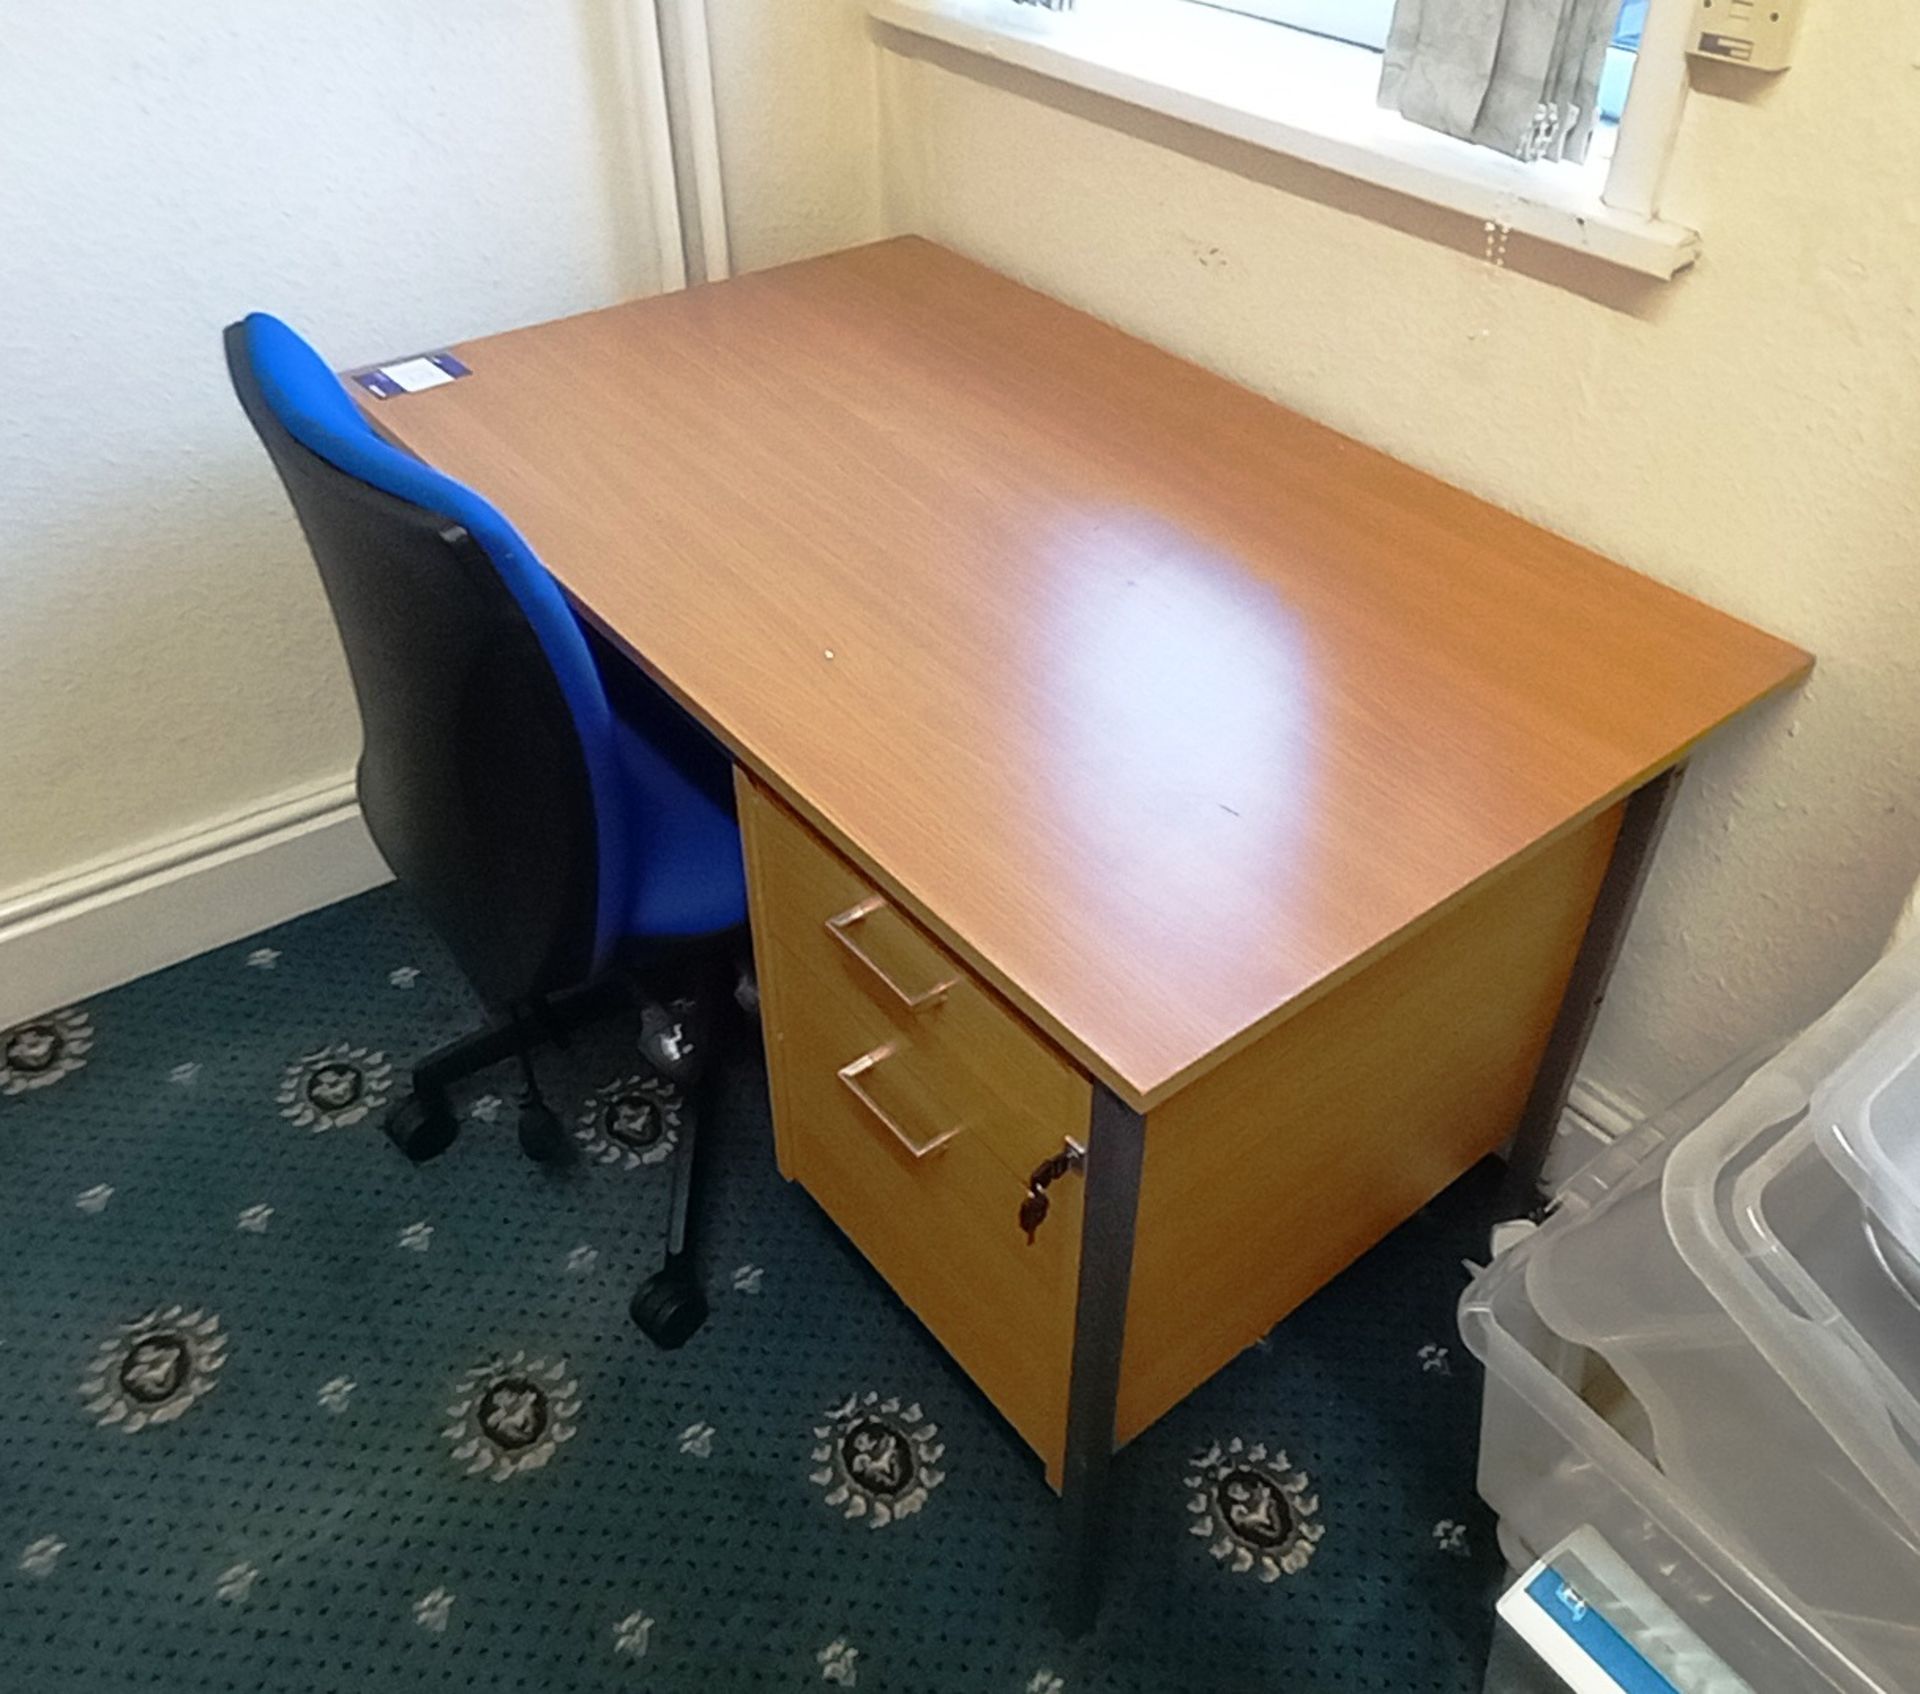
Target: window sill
1300	95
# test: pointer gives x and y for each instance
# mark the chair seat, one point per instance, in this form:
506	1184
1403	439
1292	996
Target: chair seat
692	878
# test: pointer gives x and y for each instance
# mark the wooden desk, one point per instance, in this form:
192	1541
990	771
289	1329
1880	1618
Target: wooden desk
1249	793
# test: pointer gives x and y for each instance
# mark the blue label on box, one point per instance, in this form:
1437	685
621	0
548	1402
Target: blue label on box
1594	1636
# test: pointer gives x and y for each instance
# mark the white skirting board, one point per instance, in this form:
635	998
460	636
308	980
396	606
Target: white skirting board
116	919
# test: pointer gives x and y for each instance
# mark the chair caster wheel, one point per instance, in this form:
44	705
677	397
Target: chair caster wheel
669	1309
542	1137
419	1130
672	1040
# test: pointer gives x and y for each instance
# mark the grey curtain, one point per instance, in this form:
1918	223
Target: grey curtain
1522	76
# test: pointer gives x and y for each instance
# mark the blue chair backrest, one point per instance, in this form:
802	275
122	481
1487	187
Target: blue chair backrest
313	407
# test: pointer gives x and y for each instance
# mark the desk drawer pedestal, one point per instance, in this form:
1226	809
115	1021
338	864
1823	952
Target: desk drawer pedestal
914	1105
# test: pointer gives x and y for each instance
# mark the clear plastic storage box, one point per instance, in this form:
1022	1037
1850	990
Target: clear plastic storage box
1708	1355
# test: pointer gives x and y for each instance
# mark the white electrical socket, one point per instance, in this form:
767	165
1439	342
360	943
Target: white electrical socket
1755	33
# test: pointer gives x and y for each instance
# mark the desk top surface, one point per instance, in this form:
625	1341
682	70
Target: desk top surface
1165	706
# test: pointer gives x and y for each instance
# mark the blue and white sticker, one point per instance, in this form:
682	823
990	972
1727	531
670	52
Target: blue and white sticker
410	376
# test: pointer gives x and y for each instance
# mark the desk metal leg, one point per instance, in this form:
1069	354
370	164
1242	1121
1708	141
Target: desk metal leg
1646	817
1116	1141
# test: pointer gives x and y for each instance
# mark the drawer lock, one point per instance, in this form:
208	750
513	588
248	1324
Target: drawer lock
1033	1209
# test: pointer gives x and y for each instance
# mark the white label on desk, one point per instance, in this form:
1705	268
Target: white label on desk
413	375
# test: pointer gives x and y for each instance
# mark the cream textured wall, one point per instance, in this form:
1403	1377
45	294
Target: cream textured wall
1750	432
387	176
795	88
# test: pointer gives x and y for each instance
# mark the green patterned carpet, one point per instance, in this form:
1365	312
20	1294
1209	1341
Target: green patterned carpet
282	1412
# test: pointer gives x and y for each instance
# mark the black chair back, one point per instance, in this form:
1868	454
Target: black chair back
471	779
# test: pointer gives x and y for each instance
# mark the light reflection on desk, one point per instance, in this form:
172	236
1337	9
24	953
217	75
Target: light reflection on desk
1176	694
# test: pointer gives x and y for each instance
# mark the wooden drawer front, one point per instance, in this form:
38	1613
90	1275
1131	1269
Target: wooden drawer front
845	932
941	1229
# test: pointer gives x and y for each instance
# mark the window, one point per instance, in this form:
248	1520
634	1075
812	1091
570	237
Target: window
1311	91
1620	59
1364	23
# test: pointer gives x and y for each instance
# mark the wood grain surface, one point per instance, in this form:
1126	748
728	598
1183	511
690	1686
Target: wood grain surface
1279	1168
1164	707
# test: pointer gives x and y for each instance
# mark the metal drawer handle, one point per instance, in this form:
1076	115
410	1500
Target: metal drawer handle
851	1075
840	927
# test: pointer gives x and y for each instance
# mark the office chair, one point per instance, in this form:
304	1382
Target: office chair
564	827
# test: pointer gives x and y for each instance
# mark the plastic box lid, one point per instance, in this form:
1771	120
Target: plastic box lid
1804	1228
1867	1118
1781	1268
